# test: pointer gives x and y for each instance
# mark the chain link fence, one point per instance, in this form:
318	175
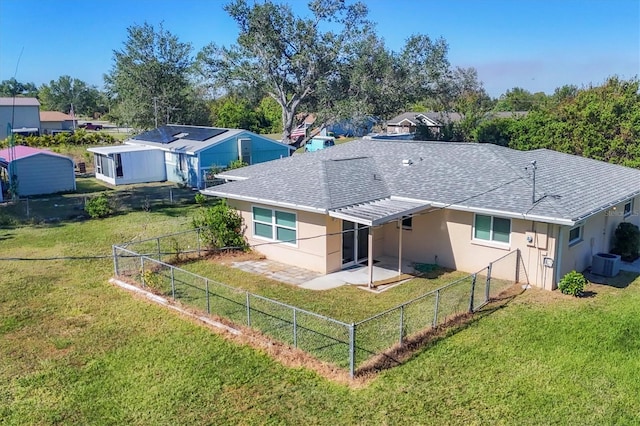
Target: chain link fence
346	345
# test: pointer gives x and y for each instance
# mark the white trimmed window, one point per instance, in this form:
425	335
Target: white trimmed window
575	235
491	228
628	208
274	225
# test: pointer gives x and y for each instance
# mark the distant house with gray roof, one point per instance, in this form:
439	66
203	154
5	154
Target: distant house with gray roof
408	122
182	154
461	205
23	114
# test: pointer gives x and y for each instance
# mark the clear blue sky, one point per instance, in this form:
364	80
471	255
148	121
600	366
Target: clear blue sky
535	44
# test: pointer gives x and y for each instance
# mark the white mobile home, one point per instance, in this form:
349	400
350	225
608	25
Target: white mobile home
126	164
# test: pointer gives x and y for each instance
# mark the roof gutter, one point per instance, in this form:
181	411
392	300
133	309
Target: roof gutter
230	177
524	216
263	201
607	206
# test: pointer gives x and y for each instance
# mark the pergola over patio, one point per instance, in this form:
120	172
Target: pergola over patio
379	212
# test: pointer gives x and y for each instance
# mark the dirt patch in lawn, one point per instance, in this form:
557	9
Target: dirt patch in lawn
229	257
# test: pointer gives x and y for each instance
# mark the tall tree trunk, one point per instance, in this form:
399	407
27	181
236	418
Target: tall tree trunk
288	124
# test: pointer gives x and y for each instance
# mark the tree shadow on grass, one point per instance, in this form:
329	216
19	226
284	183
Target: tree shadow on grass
412	345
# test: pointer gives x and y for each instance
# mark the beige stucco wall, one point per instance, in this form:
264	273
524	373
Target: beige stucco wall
445	237
597	236
311	249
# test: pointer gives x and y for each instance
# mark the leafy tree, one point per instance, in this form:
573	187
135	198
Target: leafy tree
60	94
283	55
269	116
565	93
423	66
519	99
150	80
627	241
221	227
366	85
600	122
12	87
496	131
232	112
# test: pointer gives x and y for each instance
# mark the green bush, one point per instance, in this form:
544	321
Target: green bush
152	280
236	164
573	284
201	199
626	242
79	137
221	227
98	206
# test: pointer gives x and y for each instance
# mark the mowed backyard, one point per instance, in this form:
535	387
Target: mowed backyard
78	350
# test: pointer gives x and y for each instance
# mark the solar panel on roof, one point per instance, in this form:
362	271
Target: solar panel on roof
199	133
162	134
170	133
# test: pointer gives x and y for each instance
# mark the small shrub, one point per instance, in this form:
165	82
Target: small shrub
236	164
201	199
151	279
176	249
7	221
573	284
627	241
98	206
221	227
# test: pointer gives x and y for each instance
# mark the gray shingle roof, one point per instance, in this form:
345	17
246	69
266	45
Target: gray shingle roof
183	142
19	101
479	177
440	118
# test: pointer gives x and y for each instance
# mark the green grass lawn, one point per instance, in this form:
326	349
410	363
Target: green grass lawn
77	350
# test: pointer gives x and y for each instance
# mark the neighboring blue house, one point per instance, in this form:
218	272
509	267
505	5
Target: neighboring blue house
182	154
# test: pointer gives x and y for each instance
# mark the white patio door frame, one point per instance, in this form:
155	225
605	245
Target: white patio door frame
356	243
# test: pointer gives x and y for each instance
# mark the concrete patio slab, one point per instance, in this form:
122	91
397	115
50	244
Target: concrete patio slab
385	269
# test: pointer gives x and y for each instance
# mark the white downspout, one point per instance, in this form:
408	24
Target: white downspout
558	257
400	247
370	260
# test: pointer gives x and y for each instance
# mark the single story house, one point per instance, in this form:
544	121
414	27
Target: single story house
459	205
182	154
408	122
36	171
23	114
52	122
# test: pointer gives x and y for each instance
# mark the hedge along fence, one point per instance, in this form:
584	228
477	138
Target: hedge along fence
347	345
